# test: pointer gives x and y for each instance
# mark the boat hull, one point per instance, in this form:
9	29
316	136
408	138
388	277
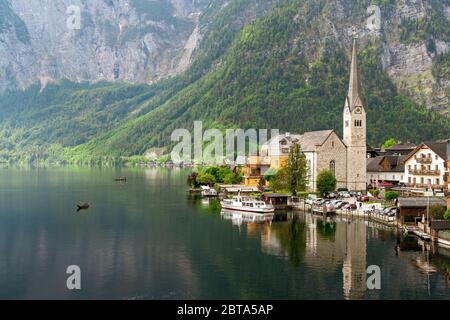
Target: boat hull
251	210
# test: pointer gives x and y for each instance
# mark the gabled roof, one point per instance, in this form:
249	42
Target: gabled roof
308	141
402	146
438	147
421	202
396	164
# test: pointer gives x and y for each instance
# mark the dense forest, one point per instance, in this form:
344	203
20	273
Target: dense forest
265	74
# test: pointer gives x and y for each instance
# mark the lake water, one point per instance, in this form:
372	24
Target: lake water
148	239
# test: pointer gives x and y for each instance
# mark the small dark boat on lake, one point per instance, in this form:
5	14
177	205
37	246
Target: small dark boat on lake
121	179
84	206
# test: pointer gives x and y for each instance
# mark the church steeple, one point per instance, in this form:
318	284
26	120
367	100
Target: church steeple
355	132
354	88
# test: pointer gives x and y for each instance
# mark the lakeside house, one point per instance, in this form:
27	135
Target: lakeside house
427	166
412	210
385	169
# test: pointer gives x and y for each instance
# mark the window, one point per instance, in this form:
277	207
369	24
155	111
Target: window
409	179
346	123
437	168
358	123
333	167
332	144
438	182
437	157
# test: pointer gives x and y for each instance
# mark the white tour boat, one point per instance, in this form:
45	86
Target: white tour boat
247	204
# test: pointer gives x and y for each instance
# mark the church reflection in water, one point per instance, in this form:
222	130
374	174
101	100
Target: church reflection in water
337	243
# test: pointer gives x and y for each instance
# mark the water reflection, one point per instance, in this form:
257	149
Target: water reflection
149	239
340	242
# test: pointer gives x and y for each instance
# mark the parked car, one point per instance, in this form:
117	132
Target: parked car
344	194
363	198
318	201
341	204
350	206
332	195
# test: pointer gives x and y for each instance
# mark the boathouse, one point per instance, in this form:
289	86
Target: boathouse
411	210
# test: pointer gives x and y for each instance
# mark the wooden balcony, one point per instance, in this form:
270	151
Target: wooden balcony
425	186
421	172
424	160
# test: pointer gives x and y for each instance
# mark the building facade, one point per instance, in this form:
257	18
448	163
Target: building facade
426	166
324	150
385	169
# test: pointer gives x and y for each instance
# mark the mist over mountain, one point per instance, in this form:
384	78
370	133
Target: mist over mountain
255	63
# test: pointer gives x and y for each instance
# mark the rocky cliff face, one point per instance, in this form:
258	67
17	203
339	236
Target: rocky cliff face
136	41
143	41
415	36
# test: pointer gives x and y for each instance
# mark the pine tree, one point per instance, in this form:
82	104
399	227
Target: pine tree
296	170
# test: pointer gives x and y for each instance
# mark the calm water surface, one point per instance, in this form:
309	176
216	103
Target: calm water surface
147	239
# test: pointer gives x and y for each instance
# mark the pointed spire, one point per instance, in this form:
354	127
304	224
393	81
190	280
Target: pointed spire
354	88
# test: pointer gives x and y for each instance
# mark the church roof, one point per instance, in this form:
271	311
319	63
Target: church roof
308	141
354	89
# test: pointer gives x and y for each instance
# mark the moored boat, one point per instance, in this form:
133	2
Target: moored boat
247	204
209	192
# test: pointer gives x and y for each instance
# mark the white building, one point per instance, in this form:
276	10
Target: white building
385	169
426	166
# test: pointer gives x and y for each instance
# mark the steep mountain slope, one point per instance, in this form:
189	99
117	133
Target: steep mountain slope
70	114
286	70
277	75
137	41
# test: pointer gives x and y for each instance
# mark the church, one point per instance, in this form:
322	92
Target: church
324	150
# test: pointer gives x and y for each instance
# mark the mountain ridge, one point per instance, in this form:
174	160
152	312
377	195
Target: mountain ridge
284	68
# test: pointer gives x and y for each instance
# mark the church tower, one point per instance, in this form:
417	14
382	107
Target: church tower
355	129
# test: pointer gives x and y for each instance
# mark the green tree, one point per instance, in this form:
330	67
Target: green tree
437	212
326	182
389	143
296	169
206	179
279	181
192	180
232	178
391	195
447	215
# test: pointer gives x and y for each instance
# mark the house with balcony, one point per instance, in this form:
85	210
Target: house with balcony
255	169
426	167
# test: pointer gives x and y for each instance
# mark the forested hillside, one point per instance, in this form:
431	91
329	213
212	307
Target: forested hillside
256	67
